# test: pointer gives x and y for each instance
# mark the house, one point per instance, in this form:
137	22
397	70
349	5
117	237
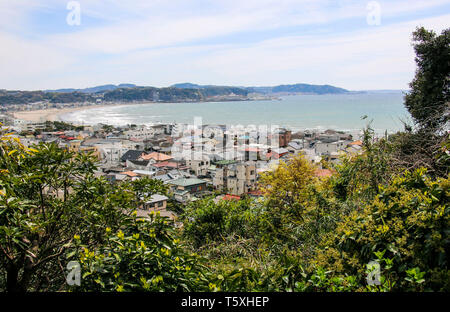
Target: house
193	185
132	155
185	188
166	165
156	157
323	148
277	153
131	174
295	146
157	203
116	177
141	133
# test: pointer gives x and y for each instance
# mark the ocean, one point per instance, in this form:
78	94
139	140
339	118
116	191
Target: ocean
342	112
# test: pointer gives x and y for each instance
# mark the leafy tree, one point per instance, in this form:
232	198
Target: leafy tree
300	206
358	175
145	187
36	210
142	256
207	220
48	196
428	100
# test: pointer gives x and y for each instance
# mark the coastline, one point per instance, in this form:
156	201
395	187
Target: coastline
53	114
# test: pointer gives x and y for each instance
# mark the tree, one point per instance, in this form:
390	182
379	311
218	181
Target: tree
48	196
142	256
429	98
37	213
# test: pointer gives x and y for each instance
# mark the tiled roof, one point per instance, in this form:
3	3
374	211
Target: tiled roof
130	173
156	156
231	197
359	142
166	164
132	155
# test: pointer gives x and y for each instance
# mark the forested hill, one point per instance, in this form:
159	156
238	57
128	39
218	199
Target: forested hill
127	94
299	88
176	93
292	88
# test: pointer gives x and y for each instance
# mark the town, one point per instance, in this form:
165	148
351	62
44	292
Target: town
194	161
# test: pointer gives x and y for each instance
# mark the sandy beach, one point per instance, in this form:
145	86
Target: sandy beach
52	114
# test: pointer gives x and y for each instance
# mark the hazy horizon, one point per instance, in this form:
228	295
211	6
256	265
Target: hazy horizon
231	85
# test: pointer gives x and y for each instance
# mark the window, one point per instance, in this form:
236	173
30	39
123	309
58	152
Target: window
160	204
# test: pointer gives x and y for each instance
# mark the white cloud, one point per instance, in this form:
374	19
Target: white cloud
161	42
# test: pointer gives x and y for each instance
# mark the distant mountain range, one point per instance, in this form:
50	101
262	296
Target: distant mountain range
176	93
292	88
97	89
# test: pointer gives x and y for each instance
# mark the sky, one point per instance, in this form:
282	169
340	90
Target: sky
357	45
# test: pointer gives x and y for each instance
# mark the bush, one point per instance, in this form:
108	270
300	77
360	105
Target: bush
408	222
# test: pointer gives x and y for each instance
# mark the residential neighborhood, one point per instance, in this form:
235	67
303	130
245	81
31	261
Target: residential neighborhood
210	160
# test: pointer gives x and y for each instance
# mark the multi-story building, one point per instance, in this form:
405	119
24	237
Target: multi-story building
184	189
199	167
235	178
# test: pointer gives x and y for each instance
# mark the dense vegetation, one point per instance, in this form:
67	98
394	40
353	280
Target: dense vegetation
292	88
387	205
26	97
129	93
123	94
305	88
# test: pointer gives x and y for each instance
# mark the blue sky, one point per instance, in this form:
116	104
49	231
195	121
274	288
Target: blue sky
224	42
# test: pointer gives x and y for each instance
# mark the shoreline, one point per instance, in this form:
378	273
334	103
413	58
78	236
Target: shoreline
53	114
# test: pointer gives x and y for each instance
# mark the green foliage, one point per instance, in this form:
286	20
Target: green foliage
145	187
430	90
359	175
47	196
388	204
142	256
409	219
37	214
207	221
60	126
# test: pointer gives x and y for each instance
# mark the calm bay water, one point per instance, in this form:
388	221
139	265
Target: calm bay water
339	112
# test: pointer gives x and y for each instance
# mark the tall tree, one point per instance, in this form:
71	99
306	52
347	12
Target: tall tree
429	98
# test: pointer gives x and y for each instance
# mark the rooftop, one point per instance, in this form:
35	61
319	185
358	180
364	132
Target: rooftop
157	156
186	182
225	162
157	198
